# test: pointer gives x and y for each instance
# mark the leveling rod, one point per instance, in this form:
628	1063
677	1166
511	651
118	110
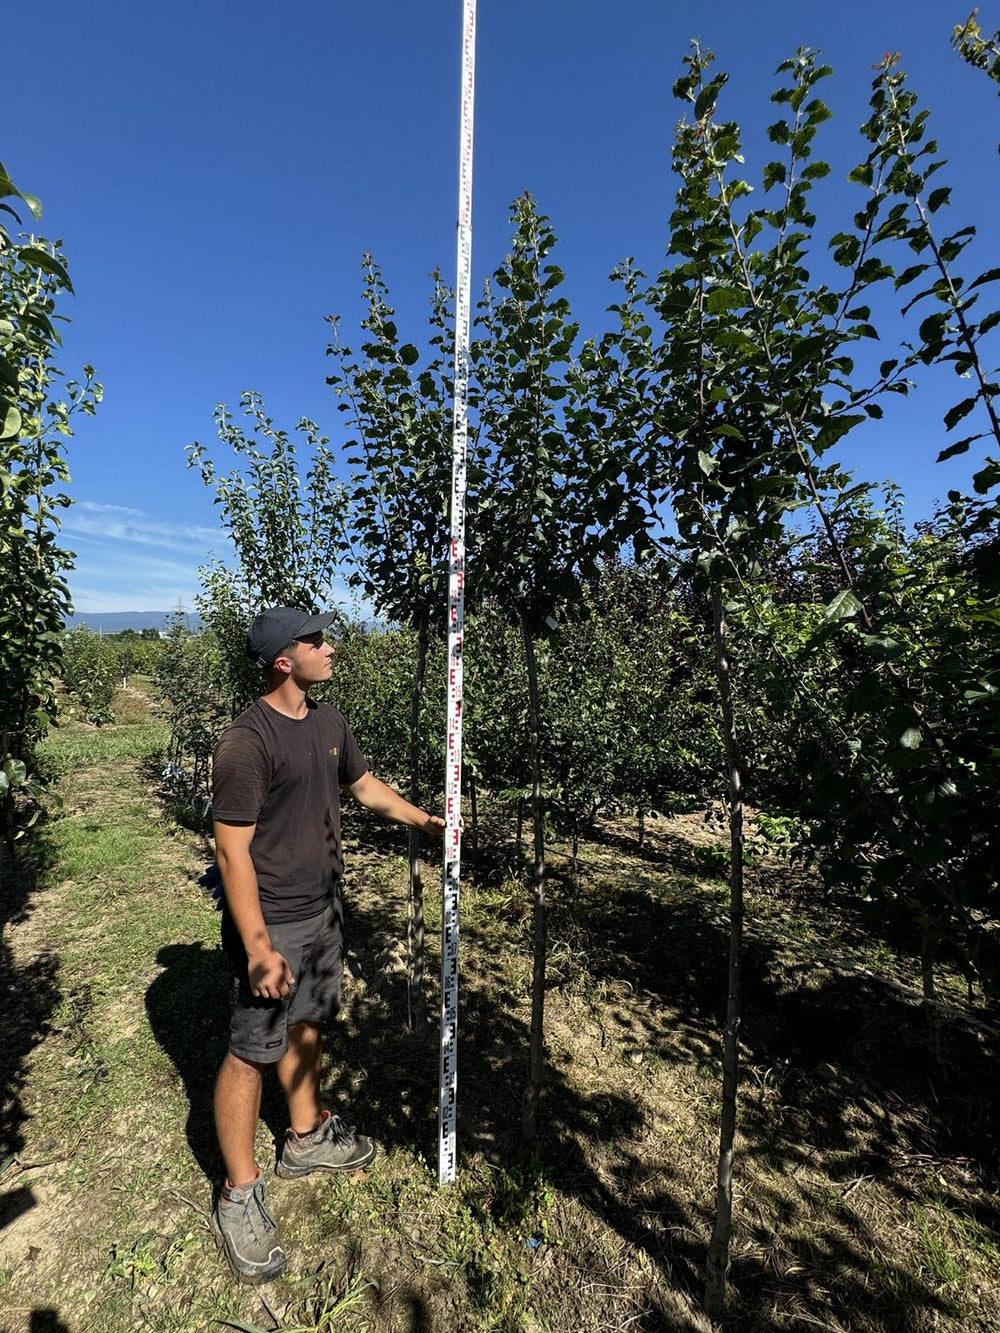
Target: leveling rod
448	1104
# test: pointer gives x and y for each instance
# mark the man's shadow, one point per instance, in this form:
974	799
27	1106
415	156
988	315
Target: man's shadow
188	1009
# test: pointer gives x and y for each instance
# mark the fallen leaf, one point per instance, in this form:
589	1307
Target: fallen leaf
359	1177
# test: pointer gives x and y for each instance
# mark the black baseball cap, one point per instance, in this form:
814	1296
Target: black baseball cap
276	627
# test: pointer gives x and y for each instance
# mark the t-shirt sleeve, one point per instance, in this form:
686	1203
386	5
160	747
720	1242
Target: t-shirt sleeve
353	764
240	776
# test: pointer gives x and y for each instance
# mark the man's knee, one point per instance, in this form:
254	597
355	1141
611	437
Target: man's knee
304	1031
239	1067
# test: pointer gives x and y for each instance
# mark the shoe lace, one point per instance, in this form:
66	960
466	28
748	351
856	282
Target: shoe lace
343	1135
255	1215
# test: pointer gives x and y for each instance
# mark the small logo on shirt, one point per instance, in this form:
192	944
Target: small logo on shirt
334	752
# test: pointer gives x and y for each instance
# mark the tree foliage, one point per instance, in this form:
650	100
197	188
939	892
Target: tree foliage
37	405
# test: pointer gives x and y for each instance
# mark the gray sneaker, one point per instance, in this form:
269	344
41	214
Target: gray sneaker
248	1234
334	1146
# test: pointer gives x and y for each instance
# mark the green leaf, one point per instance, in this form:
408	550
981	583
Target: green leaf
724	298
705	102
842	606
8	189
879	645
991	275
938	197
8	375
955	414
30	254
408	354
10	420
807	347
910	739
959	447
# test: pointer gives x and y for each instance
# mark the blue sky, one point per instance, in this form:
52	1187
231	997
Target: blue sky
217	170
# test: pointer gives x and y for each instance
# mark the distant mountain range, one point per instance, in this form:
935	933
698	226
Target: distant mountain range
113	622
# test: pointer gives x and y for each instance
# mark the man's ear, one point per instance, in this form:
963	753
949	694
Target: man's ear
282	664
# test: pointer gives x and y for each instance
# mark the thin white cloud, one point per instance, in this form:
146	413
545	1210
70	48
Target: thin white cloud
132	526
127	560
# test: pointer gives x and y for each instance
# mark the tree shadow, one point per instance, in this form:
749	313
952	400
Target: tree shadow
32	994
46	1320
844	1076
838	1065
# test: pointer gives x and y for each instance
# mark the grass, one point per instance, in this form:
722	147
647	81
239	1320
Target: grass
867	1185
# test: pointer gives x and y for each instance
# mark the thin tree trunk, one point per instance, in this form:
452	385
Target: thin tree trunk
576	858
536	1055
416	1002
717	1265
474	811
928	956
519	840
641	822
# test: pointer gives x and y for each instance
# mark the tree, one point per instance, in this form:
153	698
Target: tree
398	523
287	534
554	503
36	412
754	384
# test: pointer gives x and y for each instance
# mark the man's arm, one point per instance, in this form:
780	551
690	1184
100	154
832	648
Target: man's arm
268	971
382	800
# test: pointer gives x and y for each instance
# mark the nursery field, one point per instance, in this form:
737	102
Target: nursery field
866	1175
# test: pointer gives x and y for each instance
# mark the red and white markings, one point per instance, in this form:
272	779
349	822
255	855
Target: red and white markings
448	1105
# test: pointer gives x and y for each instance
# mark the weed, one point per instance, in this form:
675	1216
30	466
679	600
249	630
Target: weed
329	1302
712	858
136	1264
937	1259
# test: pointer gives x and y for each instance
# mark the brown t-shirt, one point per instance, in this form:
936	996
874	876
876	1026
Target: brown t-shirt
284	774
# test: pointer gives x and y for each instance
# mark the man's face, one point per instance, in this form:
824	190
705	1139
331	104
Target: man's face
311	658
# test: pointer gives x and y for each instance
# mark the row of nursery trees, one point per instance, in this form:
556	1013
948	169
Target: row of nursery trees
675	585
774	627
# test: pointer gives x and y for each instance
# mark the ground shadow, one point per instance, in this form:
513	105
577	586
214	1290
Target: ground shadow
188	1013
44	1320
836	1053
842	1073
32	994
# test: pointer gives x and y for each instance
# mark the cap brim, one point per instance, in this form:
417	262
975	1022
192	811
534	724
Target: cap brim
315	623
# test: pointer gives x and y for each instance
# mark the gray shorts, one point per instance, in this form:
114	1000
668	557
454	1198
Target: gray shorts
314	948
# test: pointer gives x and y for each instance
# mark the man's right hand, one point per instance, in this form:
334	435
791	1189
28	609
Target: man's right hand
269	974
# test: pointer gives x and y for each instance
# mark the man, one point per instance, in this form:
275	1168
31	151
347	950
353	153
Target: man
276	779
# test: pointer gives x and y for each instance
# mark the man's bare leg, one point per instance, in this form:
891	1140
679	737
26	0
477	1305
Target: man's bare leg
237	1106
299	1073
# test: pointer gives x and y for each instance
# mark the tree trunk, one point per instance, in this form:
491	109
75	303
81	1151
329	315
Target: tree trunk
717	1264
519	839
416	1002
641	825
474	812
928	957
536	1054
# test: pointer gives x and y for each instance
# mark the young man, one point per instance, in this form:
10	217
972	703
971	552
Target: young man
276	779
